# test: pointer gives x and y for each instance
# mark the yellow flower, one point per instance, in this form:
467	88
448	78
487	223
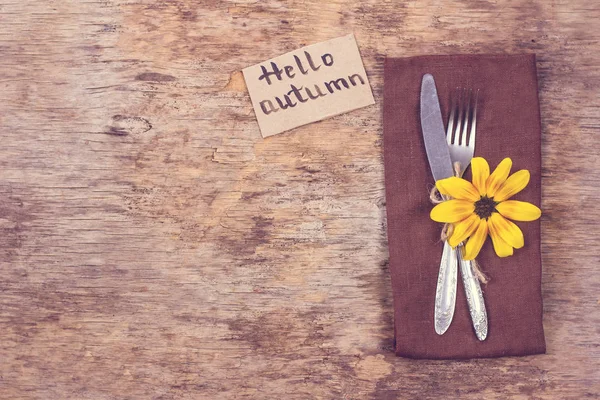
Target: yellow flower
482	207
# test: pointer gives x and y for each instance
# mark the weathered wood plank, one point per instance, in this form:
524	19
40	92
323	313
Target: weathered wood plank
153	246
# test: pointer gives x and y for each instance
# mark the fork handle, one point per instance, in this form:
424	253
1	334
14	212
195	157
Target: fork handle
474	297
445	295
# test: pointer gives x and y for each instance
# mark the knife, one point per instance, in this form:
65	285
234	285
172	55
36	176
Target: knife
440	163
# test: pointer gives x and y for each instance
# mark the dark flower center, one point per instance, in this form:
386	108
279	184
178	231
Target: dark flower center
485	206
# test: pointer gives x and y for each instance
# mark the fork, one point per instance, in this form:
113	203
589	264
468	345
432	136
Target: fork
463	113
461	151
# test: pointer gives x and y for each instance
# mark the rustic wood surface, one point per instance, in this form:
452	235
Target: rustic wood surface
154	246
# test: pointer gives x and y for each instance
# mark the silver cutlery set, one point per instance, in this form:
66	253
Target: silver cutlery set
447	149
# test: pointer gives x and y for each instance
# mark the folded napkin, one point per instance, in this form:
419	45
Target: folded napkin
508	125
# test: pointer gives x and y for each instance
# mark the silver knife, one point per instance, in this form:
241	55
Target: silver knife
440	162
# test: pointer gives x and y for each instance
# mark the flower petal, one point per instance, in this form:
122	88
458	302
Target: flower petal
513	185
458	188
475	242
480	171
501	248
464	229
519	210
507	230
452	211
498	177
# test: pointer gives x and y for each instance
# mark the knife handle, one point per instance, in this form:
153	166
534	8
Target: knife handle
445	294
474	297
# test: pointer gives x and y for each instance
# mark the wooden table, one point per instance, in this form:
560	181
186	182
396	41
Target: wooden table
154	246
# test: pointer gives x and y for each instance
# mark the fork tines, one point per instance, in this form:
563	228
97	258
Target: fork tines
463	113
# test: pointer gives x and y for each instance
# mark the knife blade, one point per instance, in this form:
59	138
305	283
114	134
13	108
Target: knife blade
440	163
434	134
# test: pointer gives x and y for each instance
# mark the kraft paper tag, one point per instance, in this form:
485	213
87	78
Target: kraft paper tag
308	85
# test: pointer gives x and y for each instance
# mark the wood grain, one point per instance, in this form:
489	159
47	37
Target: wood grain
153	246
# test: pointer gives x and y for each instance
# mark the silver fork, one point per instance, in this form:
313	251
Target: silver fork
461	152
462	146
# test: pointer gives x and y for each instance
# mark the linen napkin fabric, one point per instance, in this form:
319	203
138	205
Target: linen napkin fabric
508	125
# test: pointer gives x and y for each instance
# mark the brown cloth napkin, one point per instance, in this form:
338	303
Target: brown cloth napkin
508	125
